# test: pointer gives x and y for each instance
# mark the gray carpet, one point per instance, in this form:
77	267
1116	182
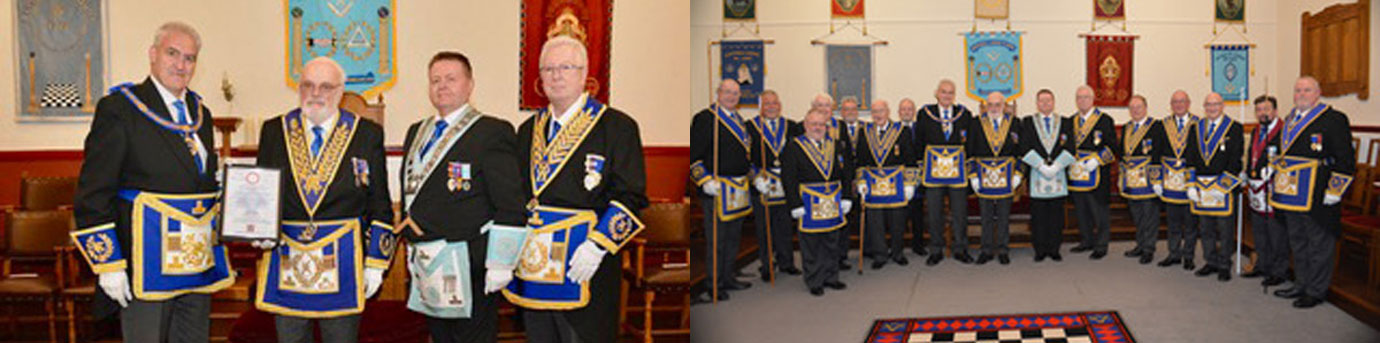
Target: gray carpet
1157	304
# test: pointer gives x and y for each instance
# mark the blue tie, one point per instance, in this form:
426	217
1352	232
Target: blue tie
555	128
181	118
435	136
316	142
1047	127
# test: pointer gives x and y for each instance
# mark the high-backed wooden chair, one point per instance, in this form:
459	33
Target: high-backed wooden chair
1361	227
659	264
47	193
32	238
356	104
1373	153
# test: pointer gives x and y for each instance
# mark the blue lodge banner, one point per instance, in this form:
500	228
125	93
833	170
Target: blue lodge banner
59	58
993	64
740	10
743	61
849	69
357	34
1231	65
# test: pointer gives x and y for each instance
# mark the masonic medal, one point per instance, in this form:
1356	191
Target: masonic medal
594	168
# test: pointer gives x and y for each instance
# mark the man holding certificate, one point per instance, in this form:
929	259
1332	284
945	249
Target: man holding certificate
335	212
463	207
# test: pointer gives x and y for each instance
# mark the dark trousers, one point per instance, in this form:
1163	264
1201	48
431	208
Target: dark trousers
1313	246
958	218
1094	223
548	327
184	318
996	225
781	231
819	256
730	234
1219	239
343	329
1146	214
880	223
1183	230
1047	224
915	218
844	239
1271	244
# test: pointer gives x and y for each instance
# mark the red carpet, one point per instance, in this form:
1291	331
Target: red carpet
1086	327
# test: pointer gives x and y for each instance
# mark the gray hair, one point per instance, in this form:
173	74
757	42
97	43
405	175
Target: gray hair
179	27
848	99
564	41
329	62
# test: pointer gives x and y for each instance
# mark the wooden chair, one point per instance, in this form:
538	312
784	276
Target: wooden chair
47	193
1374	153
666	271
76	284
356	104
33	238
1361	228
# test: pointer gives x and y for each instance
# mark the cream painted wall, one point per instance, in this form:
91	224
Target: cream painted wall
925	46
244	41
1361	112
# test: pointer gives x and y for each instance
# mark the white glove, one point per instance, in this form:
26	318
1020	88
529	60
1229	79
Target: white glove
585	262
976	185
1048	170
1193	194
798	212
862	188
711	188
1329	199
1159	190
373	278
1266	173
845	206
264	244
1090	165
1015	181
496	278
116	286
910	192
1217	195
762	185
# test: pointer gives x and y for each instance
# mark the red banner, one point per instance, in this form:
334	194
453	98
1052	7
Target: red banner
590	21
846	8
1109	9
1109	69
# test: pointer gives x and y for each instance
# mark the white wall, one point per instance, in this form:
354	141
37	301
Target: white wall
244	40
925	46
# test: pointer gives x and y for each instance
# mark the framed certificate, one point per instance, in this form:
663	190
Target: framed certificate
249	204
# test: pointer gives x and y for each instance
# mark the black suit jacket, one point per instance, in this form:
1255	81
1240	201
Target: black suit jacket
796	168
1227	158
1105	127
1030	137
931	132
733	154
1333	129
496	190
901	154
347	195
978	146
1156	137
758	150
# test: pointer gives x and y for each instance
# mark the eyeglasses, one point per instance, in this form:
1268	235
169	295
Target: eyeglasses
308	87
560	68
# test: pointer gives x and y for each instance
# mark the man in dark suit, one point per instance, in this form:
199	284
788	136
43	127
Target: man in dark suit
719	164
815	170
461	192
940	136
1316	142
1090	177
587	179
1271	239
150	147
1047	154
994	174
1141	137
850	131
1176	172
334	188
770	133
1213	193
883	157
915	208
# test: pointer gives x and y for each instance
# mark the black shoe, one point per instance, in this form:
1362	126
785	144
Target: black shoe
983	258
900	260
1039	257
766	276
1290	293
843	265
817	291
1188	264
1147	258
1056	257
1205	271
745	285
790	270
1253	274
708	297
1132	253
920	251
1170	261
963	258
1081	249
1307	302
1098	255
836	285
934	259
1004	259
734	286
1224	275
1271	281
878	264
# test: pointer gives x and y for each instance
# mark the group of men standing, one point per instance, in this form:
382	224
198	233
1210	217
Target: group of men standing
535	213
1293	170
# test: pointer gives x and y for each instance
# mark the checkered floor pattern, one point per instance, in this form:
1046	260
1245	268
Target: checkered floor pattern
1081	327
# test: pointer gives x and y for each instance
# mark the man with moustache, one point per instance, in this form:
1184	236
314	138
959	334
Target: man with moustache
1314	171
915	216
1090	178
335	208
1046	152
770	132
815	170
882	156
941	135
1139	165
462	204
1271	239
1215	175
1176	156
994	174
721	169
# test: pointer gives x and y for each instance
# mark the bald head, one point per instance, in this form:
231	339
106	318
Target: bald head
945	93
1212	105
1306	93
1084	99
906	110
823	101
1179	103
881	112
996	104
321	87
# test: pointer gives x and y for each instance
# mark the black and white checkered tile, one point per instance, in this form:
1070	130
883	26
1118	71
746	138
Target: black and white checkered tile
61	95
1056	335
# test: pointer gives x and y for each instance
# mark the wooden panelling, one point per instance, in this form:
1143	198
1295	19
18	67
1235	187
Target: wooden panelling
1335	49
